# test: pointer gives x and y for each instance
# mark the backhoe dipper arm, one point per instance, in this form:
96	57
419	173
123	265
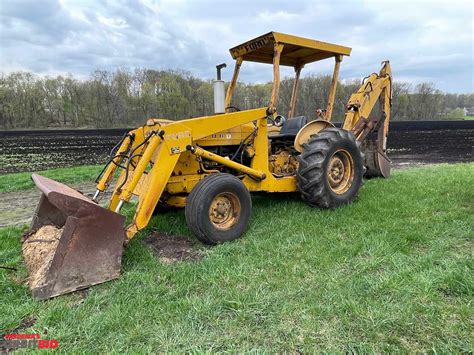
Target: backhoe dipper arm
375	87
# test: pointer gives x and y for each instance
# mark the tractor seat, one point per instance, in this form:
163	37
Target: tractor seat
290	128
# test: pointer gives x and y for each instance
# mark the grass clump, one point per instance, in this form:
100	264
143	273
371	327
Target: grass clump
22	181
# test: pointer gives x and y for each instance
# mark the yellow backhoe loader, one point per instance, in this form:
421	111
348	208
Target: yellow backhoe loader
210	165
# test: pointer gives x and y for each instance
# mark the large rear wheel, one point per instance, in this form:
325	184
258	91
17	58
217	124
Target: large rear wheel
218	209
330	169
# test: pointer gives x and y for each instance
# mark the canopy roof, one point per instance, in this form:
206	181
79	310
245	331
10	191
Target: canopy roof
296	50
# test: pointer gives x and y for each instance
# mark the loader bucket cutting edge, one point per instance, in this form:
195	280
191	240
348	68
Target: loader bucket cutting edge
74	242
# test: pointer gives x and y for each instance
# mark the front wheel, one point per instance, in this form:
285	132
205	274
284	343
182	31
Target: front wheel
330	169
218	209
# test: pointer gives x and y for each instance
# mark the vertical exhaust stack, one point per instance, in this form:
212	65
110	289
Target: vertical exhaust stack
219	91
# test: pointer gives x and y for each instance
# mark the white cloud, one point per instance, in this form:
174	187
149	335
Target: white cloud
112	22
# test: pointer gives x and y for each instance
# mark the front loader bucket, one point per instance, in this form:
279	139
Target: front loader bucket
73	243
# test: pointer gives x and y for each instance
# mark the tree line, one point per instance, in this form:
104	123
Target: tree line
126	98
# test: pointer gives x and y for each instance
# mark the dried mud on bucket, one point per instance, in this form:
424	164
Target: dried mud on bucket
170	249
38	251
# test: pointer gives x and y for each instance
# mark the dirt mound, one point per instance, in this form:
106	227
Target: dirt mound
38	251
171	249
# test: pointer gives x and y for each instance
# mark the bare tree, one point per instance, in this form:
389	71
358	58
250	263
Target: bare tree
126	98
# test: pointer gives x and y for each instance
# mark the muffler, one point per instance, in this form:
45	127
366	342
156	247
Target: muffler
73	243
219	91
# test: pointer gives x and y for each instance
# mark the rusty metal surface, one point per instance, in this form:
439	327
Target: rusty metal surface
91	245
376	161
48	186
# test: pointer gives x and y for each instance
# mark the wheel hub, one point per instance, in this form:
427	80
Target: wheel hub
224	210
336	170
340	171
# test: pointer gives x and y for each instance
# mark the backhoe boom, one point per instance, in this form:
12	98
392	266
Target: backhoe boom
376	87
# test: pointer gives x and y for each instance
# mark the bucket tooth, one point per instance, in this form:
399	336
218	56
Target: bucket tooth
86	248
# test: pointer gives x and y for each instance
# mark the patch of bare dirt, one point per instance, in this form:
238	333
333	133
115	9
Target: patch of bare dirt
17	207
26	323
170	249
38	251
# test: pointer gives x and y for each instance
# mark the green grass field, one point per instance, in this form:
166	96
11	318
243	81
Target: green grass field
22	181
391	272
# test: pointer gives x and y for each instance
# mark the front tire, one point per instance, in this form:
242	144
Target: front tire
330	169
218	209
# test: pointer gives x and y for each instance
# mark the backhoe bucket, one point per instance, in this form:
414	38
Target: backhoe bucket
377	162
73	243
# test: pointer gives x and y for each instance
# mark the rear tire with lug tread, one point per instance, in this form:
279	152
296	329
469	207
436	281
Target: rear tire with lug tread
330	169
218	209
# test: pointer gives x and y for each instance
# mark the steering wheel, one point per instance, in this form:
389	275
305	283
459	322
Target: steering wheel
236	109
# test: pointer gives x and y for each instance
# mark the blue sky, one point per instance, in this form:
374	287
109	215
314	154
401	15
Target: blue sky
424	40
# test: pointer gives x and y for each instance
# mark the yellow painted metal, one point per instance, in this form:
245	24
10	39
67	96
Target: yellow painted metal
233	82
161	154
278	48
225	210
386	98
272	184
340	171
332	89
127	190
360	104
298	50
139	136
176	201
232	136
260	162
104	181
294	92
283	49
202	127
165	165
159	176
183	184
308	130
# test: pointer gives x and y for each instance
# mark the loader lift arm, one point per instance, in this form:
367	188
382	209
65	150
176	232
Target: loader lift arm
158	146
